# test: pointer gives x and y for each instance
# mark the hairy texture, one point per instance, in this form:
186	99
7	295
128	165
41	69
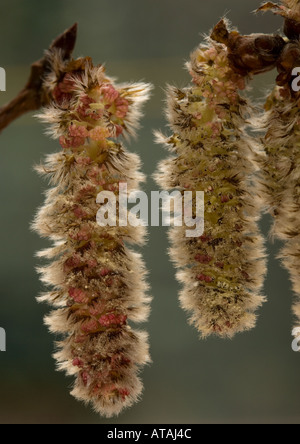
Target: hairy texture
287	8
280	167
222	271
290	10
281	174
98	283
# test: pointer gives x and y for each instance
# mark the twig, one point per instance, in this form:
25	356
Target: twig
249	54
32	97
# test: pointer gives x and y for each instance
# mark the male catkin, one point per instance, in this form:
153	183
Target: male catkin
98	281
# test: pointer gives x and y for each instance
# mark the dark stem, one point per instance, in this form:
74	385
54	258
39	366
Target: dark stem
27	100
249	54
33	96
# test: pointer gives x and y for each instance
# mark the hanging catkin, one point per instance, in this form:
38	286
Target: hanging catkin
280	167
281	173
222	271
98	282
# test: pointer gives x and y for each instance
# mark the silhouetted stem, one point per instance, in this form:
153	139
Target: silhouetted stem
33	96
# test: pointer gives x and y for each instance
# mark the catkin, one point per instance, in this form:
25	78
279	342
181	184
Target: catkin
98	282
281	178
280	171
222	271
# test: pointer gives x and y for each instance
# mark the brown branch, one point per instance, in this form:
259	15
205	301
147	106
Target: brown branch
257	53
33	96
249	54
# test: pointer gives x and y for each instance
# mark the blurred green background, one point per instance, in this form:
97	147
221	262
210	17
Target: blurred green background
251	379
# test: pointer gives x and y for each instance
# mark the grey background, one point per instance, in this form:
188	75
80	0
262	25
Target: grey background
253	378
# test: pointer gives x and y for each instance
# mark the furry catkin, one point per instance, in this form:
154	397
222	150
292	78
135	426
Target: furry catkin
222	271
281	178
98	283
280	168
